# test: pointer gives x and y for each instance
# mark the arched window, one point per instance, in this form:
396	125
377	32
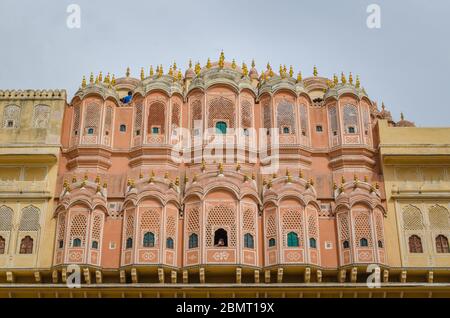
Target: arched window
41	116
123	128
26	245
346	244
220	238
129	243
193	240
380	244
169	243
221	127
363	242
292	239
11	116
149	239
248	241
415	244
76	242
442	244
272	242
312	242
2	245
350	118
95	245
156	118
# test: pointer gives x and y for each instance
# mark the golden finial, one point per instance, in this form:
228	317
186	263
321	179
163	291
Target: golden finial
186	179
350	78
253	63
151	179
271	72
180	75
377	186
166	175
152	72
315	73
343	79
105	185
177	181
86	176
299	77
203	166
281	70
160	71
83	183
268	66
128	72
311	181
274	175
66	184
142	74
335	79
284	69
91	78
245	178
97	179
141	175
238	167
170	71
244	69
366	179
107	79
253	176
358	83
269	185
190	63
289	179
197	68
329	83
264	182
355	177
287	172
334	186
300	174
113	80
74	179
222	60
208	63
157	69
83	82
174	65
220	168
96	80
291	71
402	117
233	64
100	77
194	178
342	180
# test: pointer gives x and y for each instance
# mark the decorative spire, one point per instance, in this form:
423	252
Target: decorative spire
208	63
96	80
382	106
174	65
244	69
358	83
161	71
299	77
170	72
253	63
152	72
190	63
142	74
350	78
222	60
402	117
268	66
180	76
100	77
291	71
233	64
91	78
315	73
197	68
281	71
157	69
113	80
343	79
83	82
128	72
335	79
107	79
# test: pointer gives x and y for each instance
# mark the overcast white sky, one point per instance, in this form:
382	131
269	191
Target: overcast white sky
405	63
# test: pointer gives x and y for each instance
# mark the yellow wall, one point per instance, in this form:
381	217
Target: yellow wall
29	154
416	168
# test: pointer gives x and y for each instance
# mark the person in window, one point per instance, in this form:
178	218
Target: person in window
220	243
127	99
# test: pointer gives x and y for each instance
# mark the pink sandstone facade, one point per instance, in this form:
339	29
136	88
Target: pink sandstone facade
125	204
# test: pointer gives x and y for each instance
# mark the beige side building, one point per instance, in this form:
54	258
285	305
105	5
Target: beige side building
29	149
416	169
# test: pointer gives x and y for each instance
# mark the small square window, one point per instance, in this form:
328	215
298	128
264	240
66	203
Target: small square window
246	133
351	130
155	130
138	132
196	132
285	130
123	128
10	124
335	133
319	128
90	131
76	132
303	132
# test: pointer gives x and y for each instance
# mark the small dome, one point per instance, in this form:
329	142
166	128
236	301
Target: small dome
253	73
189	73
